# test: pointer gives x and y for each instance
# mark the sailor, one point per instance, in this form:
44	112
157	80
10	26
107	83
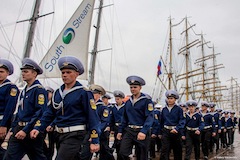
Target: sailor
49	151
103	112
136	122
224	129
209	129
184	107
217	119
8	99
194	126
234	122
229	125
154	131
171	127
32	101
74	110
117	114
234	119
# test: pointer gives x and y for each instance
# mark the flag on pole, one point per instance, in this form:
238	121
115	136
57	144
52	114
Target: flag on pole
159	68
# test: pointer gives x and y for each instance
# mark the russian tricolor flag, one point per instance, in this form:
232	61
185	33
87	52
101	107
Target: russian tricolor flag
159	68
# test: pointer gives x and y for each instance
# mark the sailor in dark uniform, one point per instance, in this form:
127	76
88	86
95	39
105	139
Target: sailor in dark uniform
32	102
194	126
154	131
103	112
49	150
209	129
234	119
8	99
74	111
117	114
171	127
229	125
217	119
137	120
224	119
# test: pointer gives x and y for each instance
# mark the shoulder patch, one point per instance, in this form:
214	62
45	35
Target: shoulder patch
93	104
13	92
150	106
40	86
105	113
41	99
94	134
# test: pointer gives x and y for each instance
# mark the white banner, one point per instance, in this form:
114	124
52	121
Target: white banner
73	41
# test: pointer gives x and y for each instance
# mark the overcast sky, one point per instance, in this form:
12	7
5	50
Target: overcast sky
142	27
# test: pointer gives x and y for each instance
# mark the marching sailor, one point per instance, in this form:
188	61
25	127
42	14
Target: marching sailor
8	99
74	110
137	120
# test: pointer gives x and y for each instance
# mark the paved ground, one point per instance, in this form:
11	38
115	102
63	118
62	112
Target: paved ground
226	154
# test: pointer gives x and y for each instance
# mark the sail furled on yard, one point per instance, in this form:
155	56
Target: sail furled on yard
72	41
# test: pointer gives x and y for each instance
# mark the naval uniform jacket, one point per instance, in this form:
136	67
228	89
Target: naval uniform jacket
8	99
209	121
138	113
32	102
195	121
77	107
103	114
174	117
217	119
117	114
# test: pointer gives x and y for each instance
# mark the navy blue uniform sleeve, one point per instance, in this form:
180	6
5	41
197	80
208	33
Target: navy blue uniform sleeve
149	114
155	126
104	116
10	101
182	120
201	123
46	119
40	103
93	118
213	124
124	121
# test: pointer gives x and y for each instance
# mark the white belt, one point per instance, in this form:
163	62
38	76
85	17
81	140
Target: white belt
70	129
207	127
117	124
1	117
135	126
229	127
169	127
192	129
22	124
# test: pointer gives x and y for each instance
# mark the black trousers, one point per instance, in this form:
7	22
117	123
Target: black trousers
229	137
129	139
170	140
18	148
49	150
192	139
205	139
69	145
213	140
116	143
105	151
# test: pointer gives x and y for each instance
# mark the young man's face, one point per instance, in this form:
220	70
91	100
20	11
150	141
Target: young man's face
3	74
171	100
105	100
69	76
28	74
118	100
135	89
191	108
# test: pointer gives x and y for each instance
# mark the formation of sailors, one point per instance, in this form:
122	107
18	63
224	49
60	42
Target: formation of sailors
79	121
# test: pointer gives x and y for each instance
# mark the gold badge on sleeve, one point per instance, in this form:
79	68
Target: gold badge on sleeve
94	134
40	99
93	104
13	92
150	106
105	113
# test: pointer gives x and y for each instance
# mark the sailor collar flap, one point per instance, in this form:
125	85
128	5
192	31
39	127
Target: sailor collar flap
58	105
141	97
